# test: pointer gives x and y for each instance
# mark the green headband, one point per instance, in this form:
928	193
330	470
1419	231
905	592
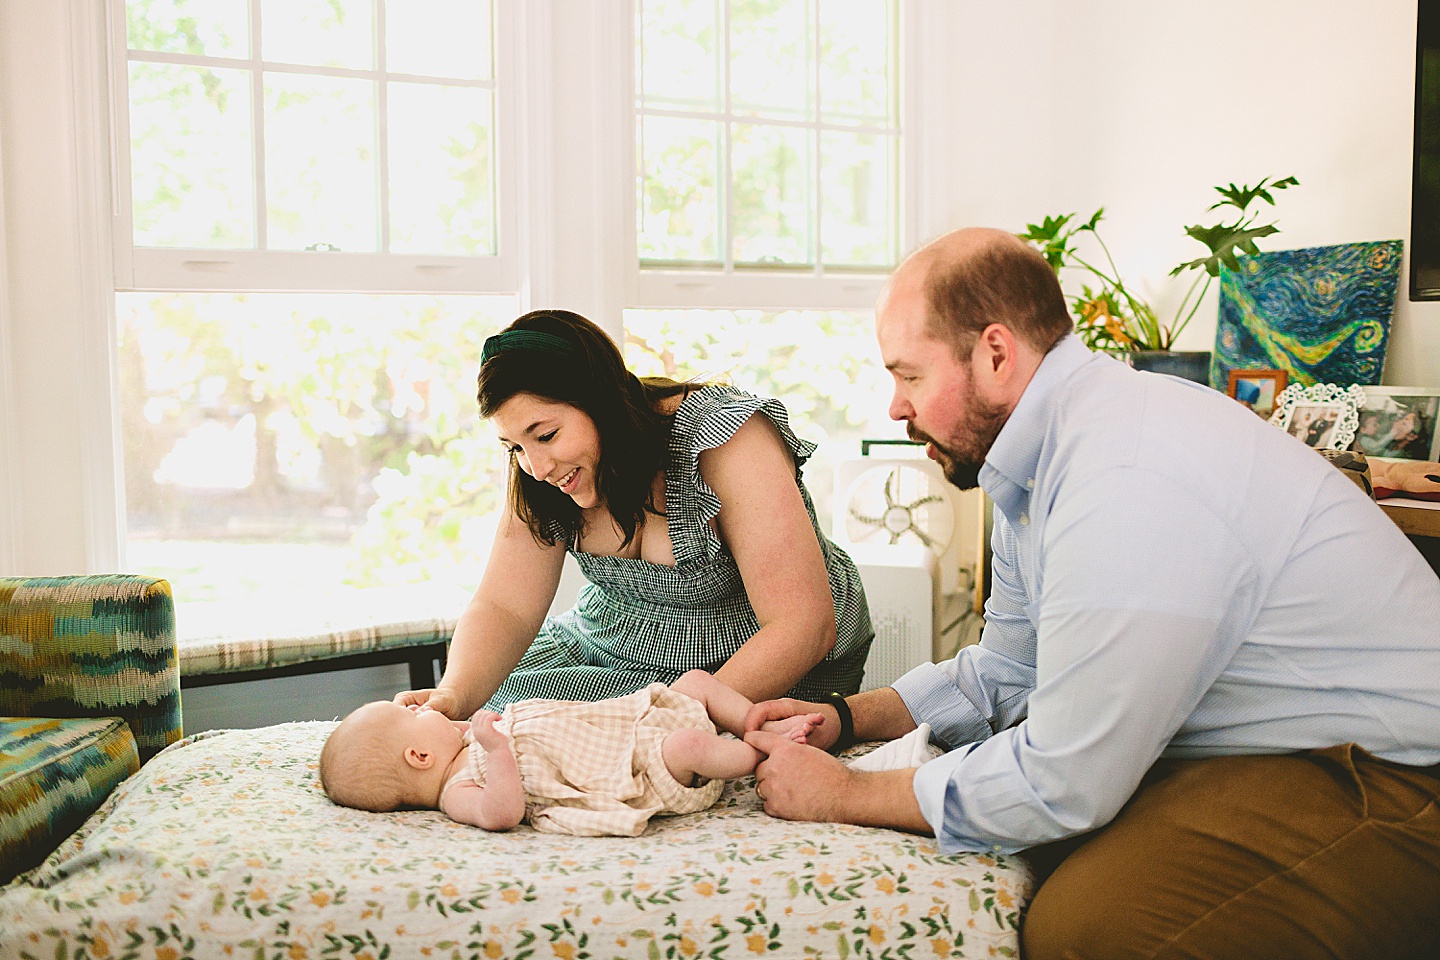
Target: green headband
525	340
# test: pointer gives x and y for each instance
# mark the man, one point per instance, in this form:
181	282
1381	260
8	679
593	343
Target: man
1207	685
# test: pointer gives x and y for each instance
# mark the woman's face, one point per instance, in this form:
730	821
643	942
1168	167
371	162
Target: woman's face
552	442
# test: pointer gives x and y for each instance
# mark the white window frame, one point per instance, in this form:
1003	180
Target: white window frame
569	224
177	269
655	286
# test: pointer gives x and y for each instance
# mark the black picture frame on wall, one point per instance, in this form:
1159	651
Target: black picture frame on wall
1425	171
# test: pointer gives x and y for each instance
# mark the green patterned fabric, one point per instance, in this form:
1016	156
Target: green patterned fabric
89	689
53	775
92	646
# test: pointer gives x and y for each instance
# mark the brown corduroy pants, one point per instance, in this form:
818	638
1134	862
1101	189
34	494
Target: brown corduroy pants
1327	853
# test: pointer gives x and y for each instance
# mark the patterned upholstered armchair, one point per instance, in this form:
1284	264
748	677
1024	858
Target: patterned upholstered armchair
89	690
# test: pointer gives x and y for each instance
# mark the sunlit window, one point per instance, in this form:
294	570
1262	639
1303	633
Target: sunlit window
332	125
300	447
768	133
823	365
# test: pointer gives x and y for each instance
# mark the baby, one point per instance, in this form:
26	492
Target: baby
587	769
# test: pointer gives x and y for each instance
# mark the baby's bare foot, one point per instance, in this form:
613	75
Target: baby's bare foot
795	728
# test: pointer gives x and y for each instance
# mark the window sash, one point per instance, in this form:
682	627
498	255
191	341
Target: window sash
726	284
229	269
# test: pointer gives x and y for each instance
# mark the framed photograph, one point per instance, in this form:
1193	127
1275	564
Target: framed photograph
1257	389
1398	423
1324	416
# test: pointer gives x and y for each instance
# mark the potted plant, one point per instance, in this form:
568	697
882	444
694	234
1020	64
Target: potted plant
1110	317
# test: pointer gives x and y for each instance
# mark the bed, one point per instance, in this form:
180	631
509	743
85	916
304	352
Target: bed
223	845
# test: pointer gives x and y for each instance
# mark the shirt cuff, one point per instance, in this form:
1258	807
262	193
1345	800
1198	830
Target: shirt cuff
932	698
937	789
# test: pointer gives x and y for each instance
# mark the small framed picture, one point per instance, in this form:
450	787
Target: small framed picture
1257	389
1398	423
1324	416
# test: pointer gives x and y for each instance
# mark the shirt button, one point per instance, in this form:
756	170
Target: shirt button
1024	519
1030	484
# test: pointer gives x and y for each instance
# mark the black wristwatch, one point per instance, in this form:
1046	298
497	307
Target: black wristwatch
847	723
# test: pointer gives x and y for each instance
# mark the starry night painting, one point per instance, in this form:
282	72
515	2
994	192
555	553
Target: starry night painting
1321	314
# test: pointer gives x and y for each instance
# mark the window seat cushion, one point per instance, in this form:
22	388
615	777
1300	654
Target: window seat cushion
224	638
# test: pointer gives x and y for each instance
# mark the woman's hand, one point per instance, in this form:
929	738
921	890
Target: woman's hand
823	736
437	699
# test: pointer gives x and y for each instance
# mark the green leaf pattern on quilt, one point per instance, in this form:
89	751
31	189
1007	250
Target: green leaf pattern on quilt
224	845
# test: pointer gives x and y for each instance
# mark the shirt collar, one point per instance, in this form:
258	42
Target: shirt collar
1016	451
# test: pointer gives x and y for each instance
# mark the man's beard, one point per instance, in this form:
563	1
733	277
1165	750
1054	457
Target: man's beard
980	426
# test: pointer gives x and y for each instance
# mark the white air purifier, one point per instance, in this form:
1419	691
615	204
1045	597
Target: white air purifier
902	586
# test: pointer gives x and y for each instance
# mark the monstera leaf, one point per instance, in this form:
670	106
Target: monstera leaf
1224	240
1111	317
1242	196
1228	240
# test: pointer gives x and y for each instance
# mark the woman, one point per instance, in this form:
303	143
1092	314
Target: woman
685	511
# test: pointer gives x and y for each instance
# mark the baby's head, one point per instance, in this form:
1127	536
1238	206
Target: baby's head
384	756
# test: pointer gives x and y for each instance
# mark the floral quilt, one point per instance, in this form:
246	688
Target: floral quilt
224	845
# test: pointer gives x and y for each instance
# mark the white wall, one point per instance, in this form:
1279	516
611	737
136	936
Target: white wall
1142	106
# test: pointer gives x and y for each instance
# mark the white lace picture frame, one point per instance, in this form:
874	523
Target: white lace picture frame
1324	415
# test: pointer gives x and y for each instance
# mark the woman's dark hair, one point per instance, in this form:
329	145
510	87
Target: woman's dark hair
586	372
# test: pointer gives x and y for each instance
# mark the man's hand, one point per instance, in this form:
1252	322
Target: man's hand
798	781
822	736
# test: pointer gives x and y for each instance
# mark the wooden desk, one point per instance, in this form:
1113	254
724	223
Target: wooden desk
1418	518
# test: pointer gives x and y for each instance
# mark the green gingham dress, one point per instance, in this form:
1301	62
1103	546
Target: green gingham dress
637	623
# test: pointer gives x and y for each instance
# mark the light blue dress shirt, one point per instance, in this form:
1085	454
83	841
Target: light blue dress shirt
1171	576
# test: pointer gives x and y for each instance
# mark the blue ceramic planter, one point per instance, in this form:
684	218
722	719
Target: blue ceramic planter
1186	364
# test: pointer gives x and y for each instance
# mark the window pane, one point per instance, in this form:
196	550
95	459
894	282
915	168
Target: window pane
678	46
678	199
857	186
770	67
212	28
441	190
855	68
824	366
320	177
323	33
772	173
773	121
439	38
190	156
295	447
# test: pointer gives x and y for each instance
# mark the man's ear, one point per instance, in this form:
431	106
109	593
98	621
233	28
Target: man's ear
419	759
1004	363
997	351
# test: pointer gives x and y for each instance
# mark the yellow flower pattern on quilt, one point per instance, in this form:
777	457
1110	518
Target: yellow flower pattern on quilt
224	846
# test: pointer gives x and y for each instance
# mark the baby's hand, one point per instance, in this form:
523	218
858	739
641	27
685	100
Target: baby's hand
482	725
797	727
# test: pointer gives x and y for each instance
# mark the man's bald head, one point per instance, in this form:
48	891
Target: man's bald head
977	276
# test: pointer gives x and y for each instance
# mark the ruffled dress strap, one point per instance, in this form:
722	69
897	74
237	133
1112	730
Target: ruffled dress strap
704	420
